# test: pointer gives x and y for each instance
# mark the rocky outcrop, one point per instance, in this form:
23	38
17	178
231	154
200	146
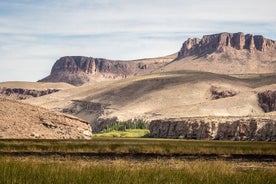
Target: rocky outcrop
242	128
217	93
267	100
93	110
78	70
216	42
22	94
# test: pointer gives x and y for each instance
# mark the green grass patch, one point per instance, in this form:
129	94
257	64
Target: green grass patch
128	133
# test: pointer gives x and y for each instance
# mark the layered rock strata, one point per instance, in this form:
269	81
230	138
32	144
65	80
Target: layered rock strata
211	43
22	94
78	70
239	128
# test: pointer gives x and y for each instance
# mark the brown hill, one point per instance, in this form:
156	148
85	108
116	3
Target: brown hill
225	53
19	120
164	95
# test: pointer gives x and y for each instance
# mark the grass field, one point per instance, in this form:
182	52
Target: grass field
37	170
171	169
140	145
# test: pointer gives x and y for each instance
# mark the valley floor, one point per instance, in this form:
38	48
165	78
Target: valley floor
105	160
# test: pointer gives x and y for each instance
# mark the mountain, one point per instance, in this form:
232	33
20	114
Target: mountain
20	120
78	70
224	53
219	87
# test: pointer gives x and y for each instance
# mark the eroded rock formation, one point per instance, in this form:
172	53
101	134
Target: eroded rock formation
22	94
217	93
78	70
93	110
267	100
211	43
240	128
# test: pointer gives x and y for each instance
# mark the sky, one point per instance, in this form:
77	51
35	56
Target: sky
35	33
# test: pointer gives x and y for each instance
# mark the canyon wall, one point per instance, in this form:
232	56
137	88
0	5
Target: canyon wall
239	128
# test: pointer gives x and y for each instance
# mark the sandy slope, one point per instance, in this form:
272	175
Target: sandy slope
227	61
20	120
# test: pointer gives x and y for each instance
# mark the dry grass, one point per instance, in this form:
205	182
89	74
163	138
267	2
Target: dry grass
140	145
34	170
82	169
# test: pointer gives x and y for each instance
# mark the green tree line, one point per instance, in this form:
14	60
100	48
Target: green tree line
123	126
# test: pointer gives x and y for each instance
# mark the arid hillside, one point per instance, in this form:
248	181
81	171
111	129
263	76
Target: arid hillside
164	95
218	76
20	120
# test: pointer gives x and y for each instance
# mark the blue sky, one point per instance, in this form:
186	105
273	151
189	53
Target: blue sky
35	33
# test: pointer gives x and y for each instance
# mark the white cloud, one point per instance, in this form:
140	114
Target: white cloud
37	33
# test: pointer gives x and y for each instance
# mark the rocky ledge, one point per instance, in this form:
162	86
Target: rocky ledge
235	128
22	94
211	43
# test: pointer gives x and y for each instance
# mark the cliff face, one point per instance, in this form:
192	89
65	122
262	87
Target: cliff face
89	65
243	128
211	43
78	70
